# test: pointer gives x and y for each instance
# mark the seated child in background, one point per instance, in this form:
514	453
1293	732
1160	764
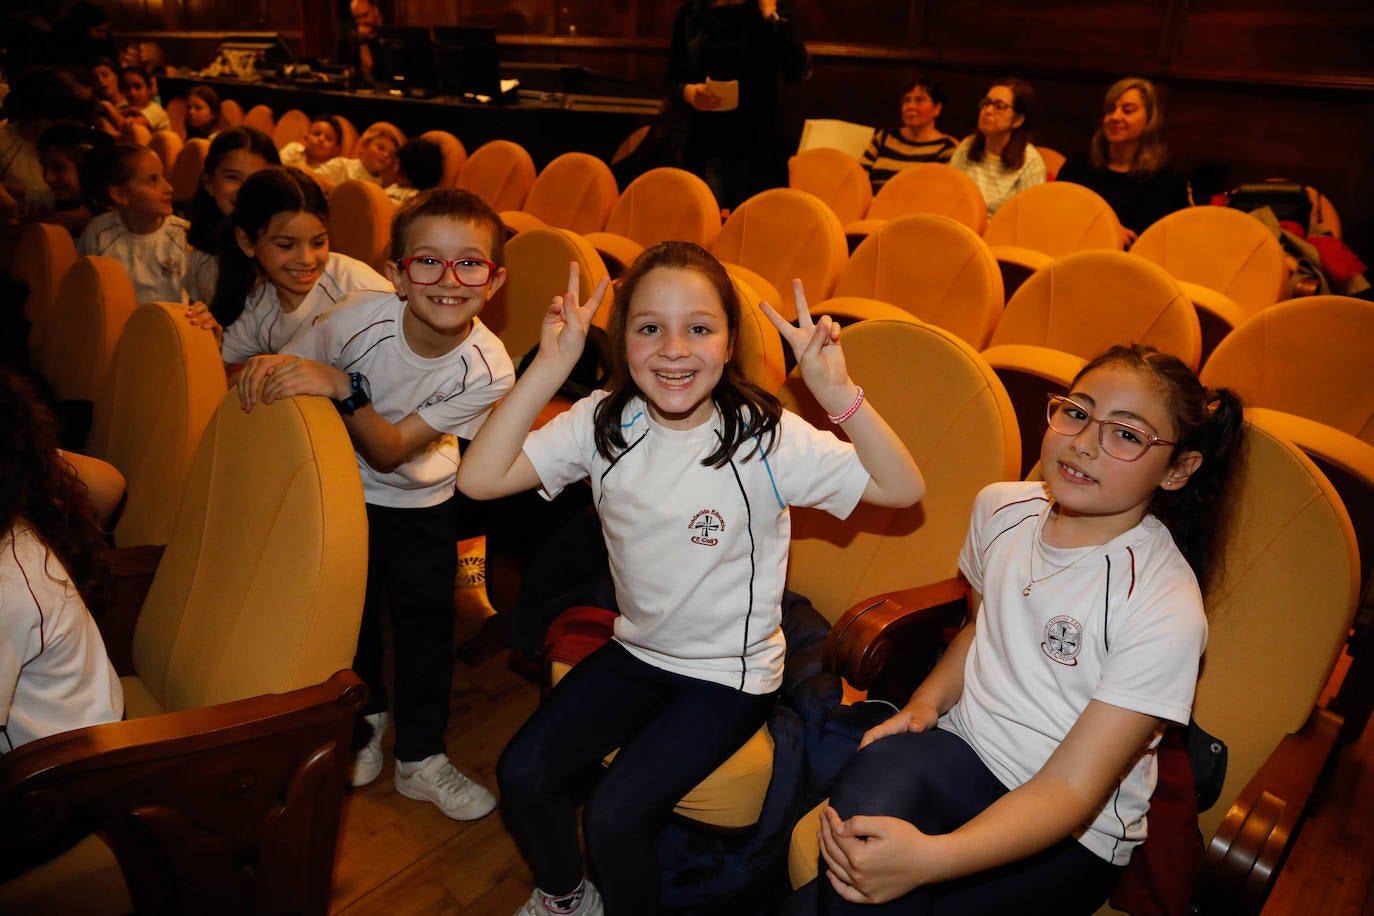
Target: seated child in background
139	230
234	155
203	118
410	371
376	161
420	166
105	75
323	142
277	276
62	149
142	107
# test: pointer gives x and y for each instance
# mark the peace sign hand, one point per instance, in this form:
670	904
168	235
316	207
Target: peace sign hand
566	323
816	346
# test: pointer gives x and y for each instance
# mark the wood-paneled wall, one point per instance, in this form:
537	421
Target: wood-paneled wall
1266	87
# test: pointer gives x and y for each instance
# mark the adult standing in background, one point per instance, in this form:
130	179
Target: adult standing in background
360	42
917	139
1126	161
737	150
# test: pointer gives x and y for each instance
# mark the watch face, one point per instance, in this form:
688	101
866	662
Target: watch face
360	383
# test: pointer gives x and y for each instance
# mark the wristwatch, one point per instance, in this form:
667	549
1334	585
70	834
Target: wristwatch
359	394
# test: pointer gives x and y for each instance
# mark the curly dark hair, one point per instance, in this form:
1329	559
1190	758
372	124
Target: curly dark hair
39	487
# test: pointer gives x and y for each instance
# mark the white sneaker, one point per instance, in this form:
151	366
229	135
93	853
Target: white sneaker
368	763
590	905
438	781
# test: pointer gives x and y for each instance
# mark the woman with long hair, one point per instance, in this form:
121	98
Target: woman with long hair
999	156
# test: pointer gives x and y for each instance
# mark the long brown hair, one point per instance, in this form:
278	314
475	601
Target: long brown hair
1022	102
39	487
747	411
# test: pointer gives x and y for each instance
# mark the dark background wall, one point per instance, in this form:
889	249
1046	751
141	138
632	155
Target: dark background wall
1266	87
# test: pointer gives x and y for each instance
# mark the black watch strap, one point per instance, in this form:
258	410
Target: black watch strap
359	394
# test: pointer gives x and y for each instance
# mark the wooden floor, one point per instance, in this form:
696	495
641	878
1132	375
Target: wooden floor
399	856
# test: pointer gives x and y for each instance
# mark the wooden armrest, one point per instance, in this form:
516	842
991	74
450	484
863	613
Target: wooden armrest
206	809
124	575
885	645
1245	855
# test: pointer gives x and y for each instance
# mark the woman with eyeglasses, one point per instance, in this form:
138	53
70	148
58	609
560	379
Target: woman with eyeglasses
1126	161
917	139
999	156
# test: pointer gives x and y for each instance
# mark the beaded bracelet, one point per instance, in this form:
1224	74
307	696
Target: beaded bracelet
853	408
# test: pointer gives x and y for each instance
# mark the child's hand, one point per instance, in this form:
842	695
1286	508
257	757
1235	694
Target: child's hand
873	859
199	316
566	323
817	349
916	717
265	379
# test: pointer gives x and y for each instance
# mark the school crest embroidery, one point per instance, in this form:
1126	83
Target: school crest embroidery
1063	638
707	524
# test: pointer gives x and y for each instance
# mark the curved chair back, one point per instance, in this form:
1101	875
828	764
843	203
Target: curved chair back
1292	552
164	384
260	588
537	271
1054	161
167	146
784	233
961	431
1300	356
186	170
1086	302
575	191
94	301
500	172
42	256
176	116
1056	218
666	204
1222	249
931	187
231	113
291	127
836	178
349	141
759	347
455	155
360	217
933	267
260	116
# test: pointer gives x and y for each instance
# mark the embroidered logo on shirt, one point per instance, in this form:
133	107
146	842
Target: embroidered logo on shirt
706	523
1063	639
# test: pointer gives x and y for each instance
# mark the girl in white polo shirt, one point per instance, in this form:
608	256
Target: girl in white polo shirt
277	276
692	469
1018	776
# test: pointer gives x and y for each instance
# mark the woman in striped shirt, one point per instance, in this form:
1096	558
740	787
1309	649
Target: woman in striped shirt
916	140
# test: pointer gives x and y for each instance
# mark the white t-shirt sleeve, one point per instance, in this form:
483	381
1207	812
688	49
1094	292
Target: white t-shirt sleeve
562	449
820	471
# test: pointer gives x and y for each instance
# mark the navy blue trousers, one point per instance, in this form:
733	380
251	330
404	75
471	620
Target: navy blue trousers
672	732
935	781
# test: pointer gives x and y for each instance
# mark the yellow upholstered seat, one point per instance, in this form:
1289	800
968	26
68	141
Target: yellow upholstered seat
1048	221
783	233
360	216
924	187
664	204
1074	309
934	267
836	178
536	271
187	168
42	256
231	113
94	301
260	117
500	172
575	191
166	145
164	384
291	127
223	787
